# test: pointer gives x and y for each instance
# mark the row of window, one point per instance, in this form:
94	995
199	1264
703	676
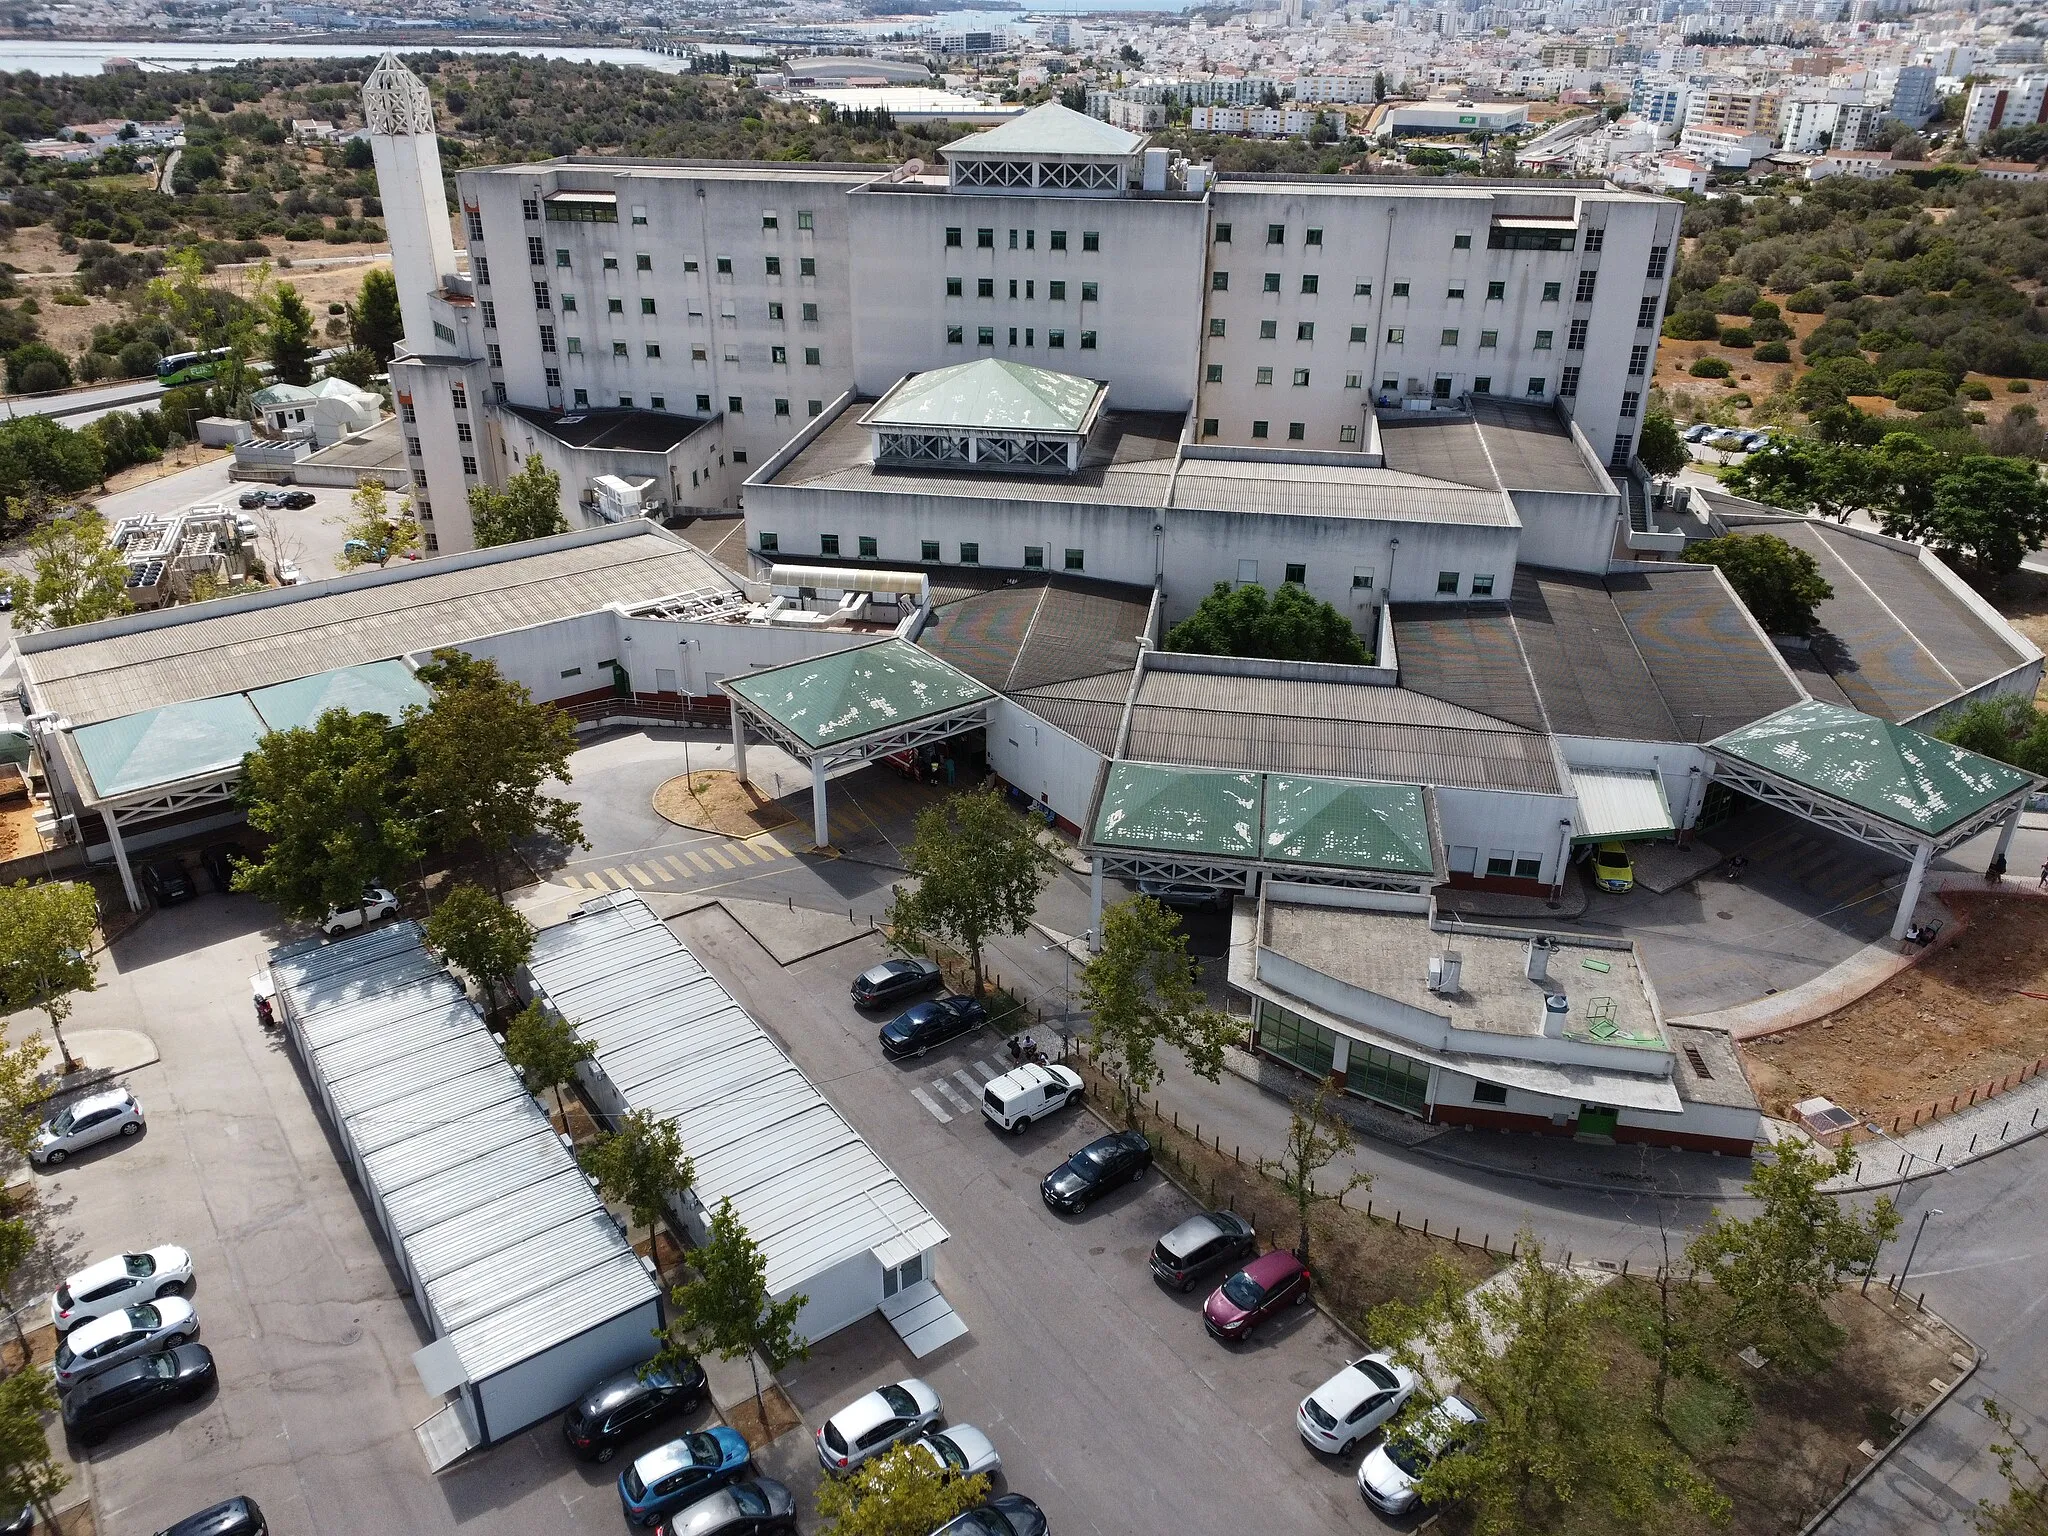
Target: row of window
1276	234
530	209
536	255
985	336
1369	1073
1496	292
985	288
1397	335
1056	239
868	547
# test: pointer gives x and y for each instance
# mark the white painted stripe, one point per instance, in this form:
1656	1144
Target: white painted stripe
973	1088
988	1073
952	1096
926	1100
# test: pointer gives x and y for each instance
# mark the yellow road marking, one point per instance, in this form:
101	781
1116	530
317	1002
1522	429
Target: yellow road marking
640	876
767	840
739	852
616	878
718	858
699	860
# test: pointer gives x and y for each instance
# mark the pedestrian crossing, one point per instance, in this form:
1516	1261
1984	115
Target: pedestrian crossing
651	871
960	1088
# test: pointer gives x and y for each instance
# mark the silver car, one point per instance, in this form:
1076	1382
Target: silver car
138	1330
868	1426
960	1450
95	1118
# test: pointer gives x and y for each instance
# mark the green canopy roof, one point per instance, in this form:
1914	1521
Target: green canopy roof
1892	771
988	393
380	688
850	694
162	746
1331	824
1181	810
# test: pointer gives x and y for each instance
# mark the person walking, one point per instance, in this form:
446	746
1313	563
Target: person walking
2044	874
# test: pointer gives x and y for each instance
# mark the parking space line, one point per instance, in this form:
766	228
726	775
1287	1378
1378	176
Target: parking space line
952	1096
716	857
929	1103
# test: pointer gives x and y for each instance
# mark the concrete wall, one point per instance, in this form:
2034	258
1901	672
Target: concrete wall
1702	1127
440	463
1567	531
1485	820
839	1296
1046	763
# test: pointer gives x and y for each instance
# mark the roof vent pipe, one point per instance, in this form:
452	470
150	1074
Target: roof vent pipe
1555	1010
1539	959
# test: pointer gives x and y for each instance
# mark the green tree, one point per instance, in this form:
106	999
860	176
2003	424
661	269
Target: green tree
1802	475
640	1165
35	367
530	507
979	867
357	365
1140	989
1661	449
1780	584
75	575
28	1474
727	1307
374	322
1315	1139
18	1245
1563	1437
1288	625
329	800
2007	728
1775	1270
21	1092
290	337
2024	1509
1988	515
41	456
483	936
46	936
901	1493
217	321
1899	476
372	533
481	752
547	1051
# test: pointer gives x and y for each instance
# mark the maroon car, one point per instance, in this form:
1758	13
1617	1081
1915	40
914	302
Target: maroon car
1262	1288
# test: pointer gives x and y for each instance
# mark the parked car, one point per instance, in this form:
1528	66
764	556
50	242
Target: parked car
137	1330
961	1450
1700	432
870	1425
1102	1165
220	861
248	501
136	1388
628	1404
246	528
22	1524
1612	870
741	1509
112	1284
273	499
1198	898
1011	1102
97	1117
894	980
377	902
1007	1514
923	1025
298	501
682	1472
1269	1284
288	573
238	1516
1202	1245
1354	1402
1391	1469
168	884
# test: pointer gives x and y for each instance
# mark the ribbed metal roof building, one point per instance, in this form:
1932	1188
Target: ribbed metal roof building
528	1285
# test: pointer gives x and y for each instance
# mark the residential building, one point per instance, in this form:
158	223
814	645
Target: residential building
1995	104
1746	109
1732	147
1660	100
1345	90
1914	98
1865	164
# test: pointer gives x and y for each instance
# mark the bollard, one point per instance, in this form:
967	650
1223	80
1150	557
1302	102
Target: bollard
1920	1303
1237	1155
1515	1248
1176	1119
1368	1209
1397	1219
1902	1165
1486	1244
1567	1258
1973	1147
1939	1150
1425	1226
1624	1269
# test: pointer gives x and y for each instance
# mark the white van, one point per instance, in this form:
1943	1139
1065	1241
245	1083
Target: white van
1030	1093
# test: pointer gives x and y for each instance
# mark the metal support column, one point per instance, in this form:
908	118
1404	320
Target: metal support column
120	858
1095	905
2005	832
739	745
821	824
1909	898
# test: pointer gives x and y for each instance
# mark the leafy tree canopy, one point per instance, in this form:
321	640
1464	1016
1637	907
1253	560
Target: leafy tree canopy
38	455
529	507
1779	584
978	868
1288	625
75	575
2007	728
1140	990
727	1308
1661	448
898	1494
481	935
46	939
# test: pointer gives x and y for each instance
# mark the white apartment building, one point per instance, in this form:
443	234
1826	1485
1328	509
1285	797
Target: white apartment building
1834	119
1345	90
1263	122
1996	104
1734	147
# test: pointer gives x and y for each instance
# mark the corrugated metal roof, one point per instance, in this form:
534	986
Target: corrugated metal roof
161	746
454	1243
388	1124
447	1145
493	1174
1346	826
845	695
1309	490
452	1059
1050	129
425	997
451	1022
1036	635
808	1189
1621	802
537	1265
533	1326
1467	653
1499	758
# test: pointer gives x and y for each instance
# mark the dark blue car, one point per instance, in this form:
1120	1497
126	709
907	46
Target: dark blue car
923	1025
681	1472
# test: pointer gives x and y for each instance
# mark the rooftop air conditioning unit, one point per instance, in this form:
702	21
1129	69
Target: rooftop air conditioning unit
1443	972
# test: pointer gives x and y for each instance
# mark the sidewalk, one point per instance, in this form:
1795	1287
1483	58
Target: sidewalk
1954	1141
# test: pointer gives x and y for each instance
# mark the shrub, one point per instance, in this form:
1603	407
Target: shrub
1736	336
2018	387
1732	297
1770	328
1710	368
1692	325
35	367
1976	389
95	366
1773	352
1763	309
1807	301
138	360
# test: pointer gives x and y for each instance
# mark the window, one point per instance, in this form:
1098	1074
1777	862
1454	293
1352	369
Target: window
1055	338
1482	586
1489	1093
1396	335
1223	234
1258	429
985	336
774	266
458	397
1659	254
1247	572
1090	240
647	307
1013	239
828	543
1446	583
1210	426
1543	341
1360	333
1030	239
868	548
552	377
1276	234
1361	290
1496	291
1272	282
807	266
734	405
1057	239
1455	292
1305	330
952	237
770	543
803	218
406	413
1265	376
1595	238
1297	431
1297	575
1489	338
782	407
739	455
1057	292
1354	381
814	407
1638	359
536	251
1312	237
1568	384
955	335
689	265
1448	339
412	446
985	288
928	549
483	270
768	221
1400	290
562	258
1034	557
1646	313
618	349
1308	282
812	357
1013	288
1293	1038
699	355
1575	338
1219	281
625	402
468	464
778	354
1535	389
1500	861
1301	378
1583	294
654	349
1361	578
568	303
547	338
1215	327
1087	341
984	239
1499	239
1213	374
1088	292
970	554
1631	401
657	402
774	311
809	314
543	298
529	208
1074	559
615	306
704	404
1269	330
490	315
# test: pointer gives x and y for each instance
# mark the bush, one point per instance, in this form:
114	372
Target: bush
1736	336
35	367
1692	325
1710	368
1807	301
1733	297
1773	352
36	452
2018	387
138	360
95	366
1770	328
1763	309
1976	389
1920	389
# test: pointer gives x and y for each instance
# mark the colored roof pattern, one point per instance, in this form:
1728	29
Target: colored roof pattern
381	688
1051	130
162	746
829	700
988	392
1892	771
1181	810
1349	826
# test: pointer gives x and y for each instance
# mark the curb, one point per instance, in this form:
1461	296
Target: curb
1938	1168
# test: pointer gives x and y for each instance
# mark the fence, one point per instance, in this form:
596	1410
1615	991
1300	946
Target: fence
1990	1089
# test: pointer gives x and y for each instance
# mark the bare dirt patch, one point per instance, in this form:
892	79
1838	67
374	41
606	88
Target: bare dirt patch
763	1431
715	801
1959	1018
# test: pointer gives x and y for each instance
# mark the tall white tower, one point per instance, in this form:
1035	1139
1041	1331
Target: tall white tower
399	113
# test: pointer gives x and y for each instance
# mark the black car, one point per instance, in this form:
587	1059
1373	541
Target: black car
238	1516
220	861
1007	1514
22	1523
892	981
168	884
923	1025
1202	1245
738	1509
135	1388
249	501
1096	1169
615	1410
298	501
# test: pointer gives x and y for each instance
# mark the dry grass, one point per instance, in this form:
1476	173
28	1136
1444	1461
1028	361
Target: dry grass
716	801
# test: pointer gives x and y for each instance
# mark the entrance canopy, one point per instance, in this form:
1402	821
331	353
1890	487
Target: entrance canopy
1620	803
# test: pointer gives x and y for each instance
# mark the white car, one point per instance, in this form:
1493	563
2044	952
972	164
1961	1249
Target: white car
377	902
138	1330
1388	1475
1353	1403
288	574
95	1118
1011	1102
114	1283
961	1450
870	1425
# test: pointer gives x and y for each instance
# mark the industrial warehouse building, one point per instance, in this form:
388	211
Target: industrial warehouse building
528	1285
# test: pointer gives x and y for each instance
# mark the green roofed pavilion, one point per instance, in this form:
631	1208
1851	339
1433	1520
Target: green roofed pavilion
989	394
381	688
1180	810
168	745
1337	825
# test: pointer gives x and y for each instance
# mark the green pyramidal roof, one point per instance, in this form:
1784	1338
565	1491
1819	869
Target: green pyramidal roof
1892	771
1180	809
988	393
850	694
1347	826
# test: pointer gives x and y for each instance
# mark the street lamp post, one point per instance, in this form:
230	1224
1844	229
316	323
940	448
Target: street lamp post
1900	1288
1066	950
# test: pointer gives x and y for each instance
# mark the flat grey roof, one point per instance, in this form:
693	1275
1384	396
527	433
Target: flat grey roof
1040	632
625	431
1252	484
145	661
378	447
1502	443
